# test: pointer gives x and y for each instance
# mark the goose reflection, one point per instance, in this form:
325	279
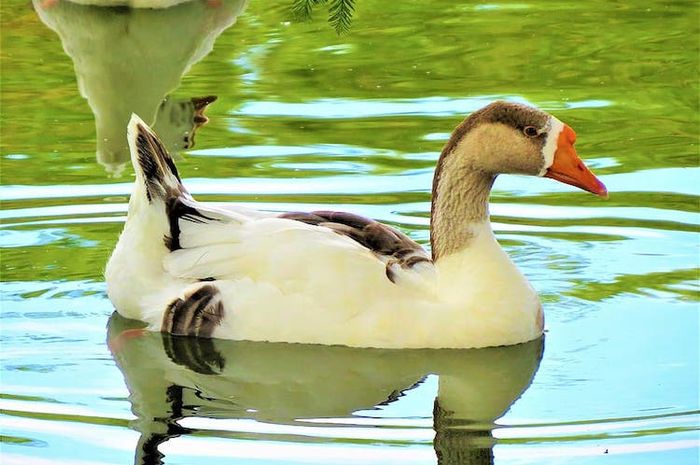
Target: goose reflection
171	378
128	60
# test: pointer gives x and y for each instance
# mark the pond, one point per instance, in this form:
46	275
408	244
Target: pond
299	118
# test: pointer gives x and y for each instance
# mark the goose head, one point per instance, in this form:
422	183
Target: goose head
511	138
501	138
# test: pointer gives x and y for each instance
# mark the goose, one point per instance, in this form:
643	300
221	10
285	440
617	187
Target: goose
335	278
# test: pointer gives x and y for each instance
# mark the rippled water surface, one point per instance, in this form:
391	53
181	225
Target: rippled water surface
306	118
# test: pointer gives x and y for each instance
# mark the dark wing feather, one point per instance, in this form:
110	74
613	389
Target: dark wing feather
198	314
389	245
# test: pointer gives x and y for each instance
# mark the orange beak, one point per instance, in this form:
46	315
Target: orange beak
569	169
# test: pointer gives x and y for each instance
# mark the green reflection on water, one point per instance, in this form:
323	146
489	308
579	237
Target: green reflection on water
361	119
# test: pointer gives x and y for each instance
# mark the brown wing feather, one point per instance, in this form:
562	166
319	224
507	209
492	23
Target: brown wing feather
389	245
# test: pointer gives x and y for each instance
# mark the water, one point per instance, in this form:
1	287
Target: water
305	118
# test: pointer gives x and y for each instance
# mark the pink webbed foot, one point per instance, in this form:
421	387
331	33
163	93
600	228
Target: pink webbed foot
46	4
117	343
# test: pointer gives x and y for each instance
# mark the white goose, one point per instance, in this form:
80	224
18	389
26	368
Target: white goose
336	278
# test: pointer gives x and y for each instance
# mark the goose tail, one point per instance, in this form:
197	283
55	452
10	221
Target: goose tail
156	174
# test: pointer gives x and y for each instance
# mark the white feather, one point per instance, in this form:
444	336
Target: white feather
284	280
554	128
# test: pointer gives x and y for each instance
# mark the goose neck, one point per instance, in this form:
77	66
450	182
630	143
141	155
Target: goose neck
460	208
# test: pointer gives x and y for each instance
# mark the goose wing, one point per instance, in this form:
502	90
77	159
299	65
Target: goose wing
393	248
209	243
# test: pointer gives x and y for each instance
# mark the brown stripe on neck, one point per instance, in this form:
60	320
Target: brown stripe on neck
470	182
475	119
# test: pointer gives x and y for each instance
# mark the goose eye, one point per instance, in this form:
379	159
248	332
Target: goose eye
530	131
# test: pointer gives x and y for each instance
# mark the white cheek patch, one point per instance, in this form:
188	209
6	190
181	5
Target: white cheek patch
554	128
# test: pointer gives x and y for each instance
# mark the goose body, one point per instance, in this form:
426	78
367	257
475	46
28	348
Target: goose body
327	277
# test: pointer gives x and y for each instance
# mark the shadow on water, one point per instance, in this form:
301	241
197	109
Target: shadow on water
173	378
128	60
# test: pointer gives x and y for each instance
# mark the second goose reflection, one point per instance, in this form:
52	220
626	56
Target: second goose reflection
171	378
128	60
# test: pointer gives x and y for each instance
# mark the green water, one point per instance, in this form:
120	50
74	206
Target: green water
305	118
